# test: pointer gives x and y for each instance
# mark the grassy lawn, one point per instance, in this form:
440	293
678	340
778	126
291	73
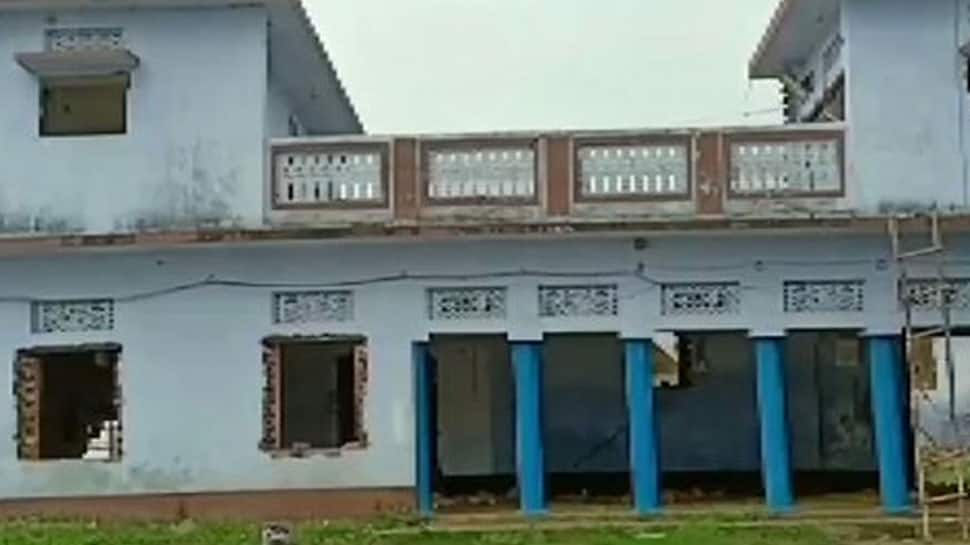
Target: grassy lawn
188	533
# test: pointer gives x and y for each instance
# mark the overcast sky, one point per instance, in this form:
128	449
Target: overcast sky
489	65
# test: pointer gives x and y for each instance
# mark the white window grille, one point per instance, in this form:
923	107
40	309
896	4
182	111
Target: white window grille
486	303
307	177
637	170
578	301
482	172
701	298
809	166
313	306
70	316
924	294
84	39
824	296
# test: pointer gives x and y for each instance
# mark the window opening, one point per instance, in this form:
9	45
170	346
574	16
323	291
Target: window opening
68	403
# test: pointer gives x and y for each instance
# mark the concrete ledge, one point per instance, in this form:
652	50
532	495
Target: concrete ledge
40	244
242	505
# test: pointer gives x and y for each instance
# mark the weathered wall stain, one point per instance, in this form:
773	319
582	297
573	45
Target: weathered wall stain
907	206
192	156
199	190
905	153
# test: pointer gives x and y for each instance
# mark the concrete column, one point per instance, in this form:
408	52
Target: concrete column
530	454
887	373
644	451
773	409
424	428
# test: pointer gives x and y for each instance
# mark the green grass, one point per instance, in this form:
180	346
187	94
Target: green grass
189	533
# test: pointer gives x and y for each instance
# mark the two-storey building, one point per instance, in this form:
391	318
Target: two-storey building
218	297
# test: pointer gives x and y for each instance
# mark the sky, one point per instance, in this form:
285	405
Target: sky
421	66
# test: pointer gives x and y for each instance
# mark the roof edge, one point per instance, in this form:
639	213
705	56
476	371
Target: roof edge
846	222
300	9
781	13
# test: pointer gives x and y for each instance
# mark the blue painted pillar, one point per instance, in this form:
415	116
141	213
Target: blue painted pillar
773	408
530	454
644	452
887	373
424	428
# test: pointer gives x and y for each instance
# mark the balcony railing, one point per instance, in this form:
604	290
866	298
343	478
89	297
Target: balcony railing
772	164
558	176
310	176
633	169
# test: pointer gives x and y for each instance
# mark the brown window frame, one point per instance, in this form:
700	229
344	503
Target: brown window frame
28	388
273	406
44	90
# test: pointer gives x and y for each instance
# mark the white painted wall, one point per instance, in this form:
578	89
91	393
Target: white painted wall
194	148
906	99
192	373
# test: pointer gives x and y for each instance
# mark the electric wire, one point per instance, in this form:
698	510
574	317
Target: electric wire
638	273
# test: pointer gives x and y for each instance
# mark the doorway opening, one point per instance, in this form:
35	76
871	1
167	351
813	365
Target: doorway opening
473	410
830	413
708	416
585	418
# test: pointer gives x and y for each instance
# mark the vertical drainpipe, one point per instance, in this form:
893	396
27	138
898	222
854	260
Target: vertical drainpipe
644	451
773	409
424	428
530	454
887	374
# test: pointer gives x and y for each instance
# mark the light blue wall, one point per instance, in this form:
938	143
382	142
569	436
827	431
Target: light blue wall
193	153
191	363
279	108
906	99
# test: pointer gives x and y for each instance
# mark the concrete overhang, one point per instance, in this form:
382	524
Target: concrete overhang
78	64
796	29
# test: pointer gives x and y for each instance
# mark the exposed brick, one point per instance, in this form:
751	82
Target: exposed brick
711	174
407	196
559	176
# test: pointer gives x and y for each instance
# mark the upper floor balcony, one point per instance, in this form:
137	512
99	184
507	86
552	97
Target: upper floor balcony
787	176
564	179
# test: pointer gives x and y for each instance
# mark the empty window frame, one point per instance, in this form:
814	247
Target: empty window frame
68	403
314	392
83	106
